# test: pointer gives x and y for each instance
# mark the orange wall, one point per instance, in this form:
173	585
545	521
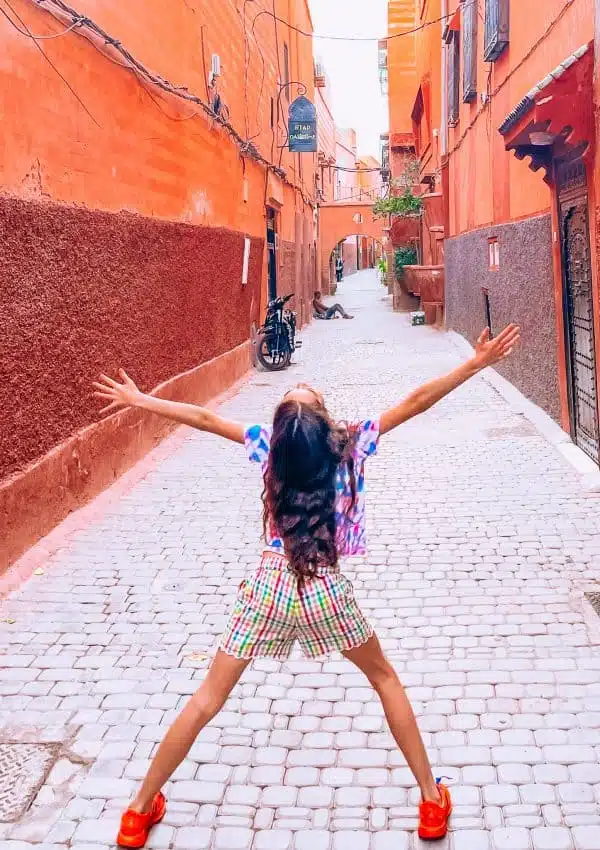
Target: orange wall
428	61
345	156
369	180
402	16
327	147
487	185
146	156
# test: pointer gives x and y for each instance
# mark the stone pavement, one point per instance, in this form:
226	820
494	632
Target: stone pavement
482	541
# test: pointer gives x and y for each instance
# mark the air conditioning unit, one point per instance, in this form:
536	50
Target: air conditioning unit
215	69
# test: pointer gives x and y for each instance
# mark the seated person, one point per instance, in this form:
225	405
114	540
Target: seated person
321	311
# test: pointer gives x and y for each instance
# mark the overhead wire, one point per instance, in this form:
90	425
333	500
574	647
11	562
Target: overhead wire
93	33
403	34
79	21
29	34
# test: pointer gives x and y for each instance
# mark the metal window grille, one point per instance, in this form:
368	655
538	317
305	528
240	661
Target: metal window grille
453	42
470	53
496	29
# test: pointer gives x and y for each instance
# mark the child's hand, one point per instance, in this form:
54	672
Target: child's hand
489	351
119	395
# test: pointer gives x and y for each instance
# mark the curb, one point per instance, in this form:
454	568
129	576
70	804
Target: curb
542	422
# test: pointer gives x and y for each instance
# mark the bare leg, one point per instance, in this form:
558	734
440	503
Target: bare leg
208	700
398	711
341	311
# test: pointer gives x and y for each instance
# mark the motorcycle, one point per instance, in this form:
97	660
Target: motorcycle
275	341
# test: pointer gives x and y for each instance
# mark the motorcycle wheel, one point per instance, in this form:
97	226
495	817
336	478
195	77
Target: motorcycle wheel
270	362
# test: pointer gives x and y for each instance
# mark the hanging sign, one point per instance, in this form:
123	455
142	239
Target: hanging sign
302	122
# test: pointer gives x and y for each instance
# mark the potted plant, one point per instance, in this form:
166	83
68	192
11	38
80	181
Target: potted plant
382	269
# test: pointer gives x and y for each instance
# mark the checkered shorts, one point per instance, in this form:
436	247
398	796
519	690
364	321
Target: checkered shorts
272	612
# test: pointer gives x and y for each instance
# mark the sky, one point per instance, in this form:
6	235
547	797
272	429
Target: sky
352	66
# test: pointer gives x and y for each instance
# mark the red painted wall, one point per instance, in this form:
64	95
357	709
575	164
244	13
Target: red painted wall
84	291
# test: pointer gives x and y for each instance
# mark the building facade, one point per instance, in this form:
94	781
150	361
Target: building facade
501	106
149	206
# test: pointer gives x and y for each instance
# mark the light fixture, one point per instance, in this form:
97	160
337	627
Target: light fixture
540	138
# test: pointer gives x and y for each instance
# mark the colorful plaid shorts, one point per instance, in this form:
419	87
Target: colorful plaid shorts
272	612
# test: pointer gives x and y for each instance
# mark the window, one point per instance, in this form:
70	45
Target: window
470	52
417	118
494	253
453	47
383	66
286	70
496	29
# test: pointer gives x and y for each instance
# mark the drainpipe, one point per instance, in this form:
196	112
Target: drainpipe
444	127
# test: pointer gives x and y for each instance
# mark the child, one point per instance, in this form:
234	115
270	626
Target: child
314	513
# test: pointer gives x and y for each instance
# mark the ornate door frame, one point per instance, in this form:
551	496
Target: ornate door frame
578	310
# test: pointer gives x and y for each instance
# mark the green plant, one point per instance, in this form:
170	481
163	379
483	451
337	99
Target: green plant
398	205
382	265
406	256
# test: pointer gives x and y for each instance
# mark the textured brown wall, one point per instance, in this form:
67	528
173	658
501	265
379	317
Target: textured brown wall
521	291
83	291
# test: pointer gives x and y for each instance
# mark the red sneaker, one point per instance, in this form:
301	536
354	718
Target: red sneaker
135	827
433	817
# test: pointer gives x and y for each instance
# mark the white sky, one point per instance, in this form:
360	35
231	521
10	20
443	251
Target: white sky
352	66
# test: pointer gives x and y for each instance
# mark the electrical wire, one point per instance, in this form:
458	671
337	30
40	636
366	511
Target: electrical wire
93	32
442	19
76	19
29	34
493	93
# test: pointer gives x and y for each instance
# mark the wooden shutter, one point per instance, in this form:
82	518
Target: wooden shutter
453	42
497	21
470	53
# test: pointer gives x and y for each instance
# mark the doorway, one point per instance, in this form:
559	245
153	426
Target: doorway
572	189
272	252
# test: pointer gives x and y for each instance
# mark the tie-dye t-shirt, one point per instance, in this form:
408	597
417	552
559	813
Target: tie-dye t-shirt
351	530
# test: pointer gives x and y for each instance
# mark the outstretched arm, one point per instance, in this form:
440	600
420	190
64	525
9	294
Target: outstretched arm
488	351
126	394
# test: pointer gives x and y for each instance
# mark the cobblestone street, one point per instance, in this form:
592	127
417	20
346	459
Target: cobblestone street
482	542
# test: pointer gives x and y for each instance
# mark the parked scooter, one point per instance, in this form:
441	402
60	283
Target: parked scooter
275	341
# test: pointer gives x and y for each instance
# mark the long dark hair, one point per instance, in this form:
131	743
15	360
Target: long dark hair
307	448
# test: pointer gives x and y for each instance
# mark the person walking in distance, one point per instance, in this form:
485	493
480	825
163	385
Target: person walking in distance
339	269
313	515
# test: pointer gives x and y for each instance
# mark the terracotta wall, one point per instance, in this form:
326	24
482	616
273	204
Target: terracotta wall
327	146
345	156
486	184
350	255
123	226
402	17
369	178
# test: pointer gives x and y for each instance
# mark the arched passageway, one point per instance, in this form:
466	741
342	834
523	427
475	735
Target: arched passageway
338	222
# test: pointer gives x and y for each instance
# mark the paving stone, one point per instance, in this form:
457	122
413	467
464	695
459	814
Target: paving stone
389	841
552	838
273	839
351	838
471	839
313	839
586	837
464	581
193	838
512	838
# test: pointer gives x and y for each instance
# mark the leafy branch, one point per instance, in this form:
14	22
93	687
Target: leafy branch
406	204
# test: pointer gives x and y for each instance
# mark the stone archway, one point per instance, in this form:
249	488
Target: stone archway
338	221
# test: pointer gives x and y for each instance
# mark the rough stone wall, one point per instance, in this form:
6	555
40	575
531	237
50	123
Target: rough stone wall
522	291
85	291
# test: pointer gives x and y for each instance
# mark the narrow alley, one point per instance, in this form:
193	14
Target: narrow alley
482	542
